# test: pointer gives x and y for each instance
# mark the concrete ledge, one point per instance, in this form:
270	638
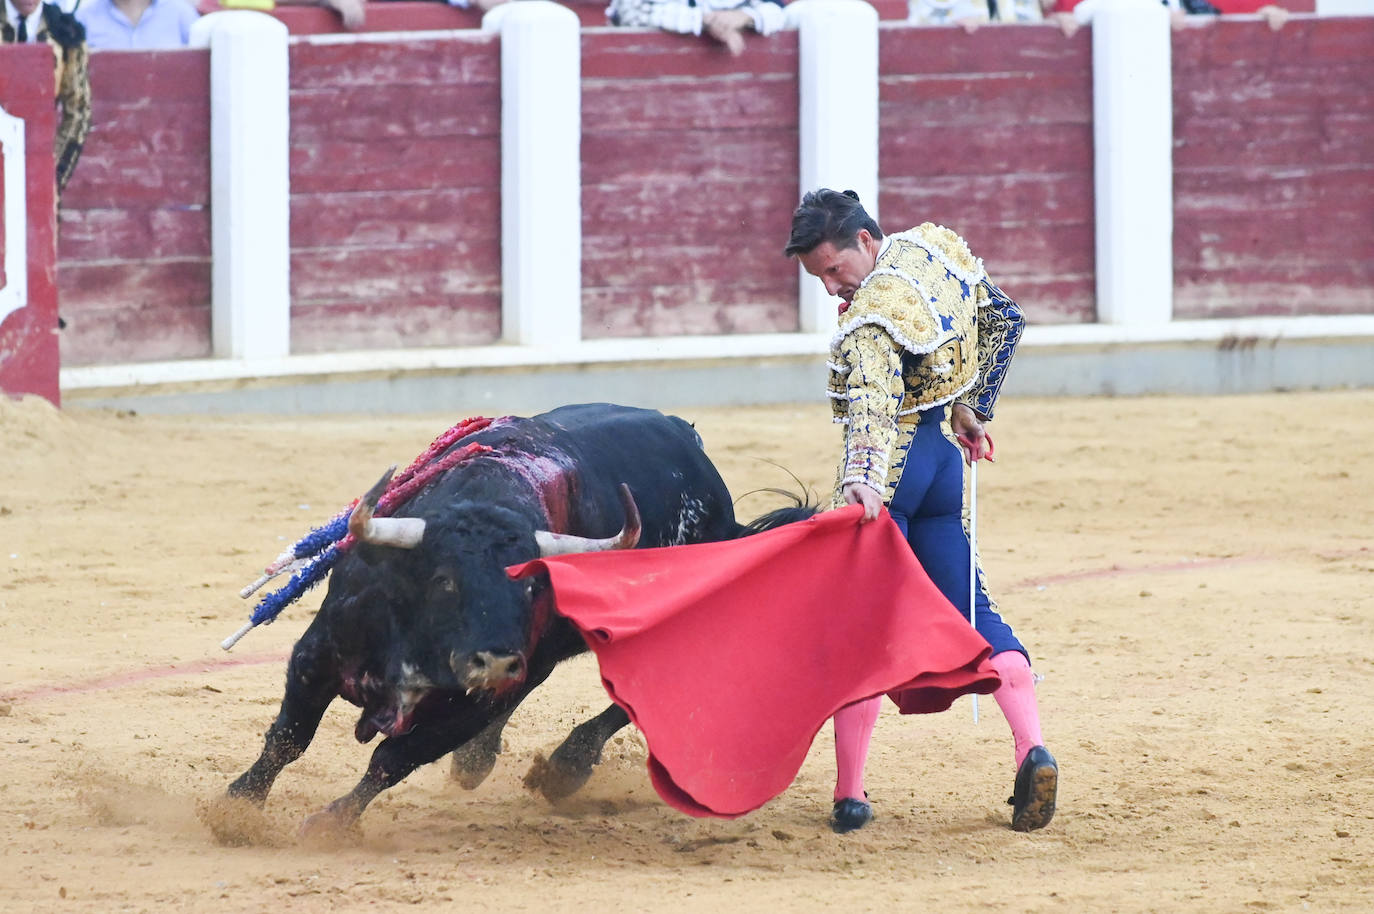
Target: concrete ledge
1188	357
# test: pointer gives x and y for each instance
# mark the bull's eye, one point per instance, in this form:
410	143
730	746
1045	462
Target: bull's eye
443	583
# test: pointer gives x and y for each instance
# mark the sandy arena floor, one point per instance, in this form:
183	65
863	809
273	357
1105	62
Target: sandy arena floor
1192	576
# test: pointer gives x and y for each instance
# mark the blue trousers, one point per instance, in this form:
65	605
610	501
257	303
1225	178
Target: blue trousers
927	505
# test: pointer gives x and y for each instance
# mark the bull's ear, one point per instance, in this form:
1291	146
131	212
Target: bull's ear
370	554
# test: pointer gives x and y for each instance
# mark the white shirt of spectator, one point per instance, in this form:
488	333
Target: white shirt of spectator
164	24
33	23
1083	12
686	19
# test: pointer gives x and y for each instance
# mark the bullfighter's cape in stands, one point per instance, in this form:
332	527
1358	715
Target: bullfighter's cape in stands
729	657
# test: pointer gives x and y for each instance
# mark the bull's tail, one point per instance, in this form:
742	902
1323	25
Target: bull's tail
800	509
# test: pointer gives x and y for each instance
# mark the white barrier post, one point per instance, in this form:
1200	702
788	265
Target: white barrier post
1133	164
15	294
249	183
541	172
1345	7
838	44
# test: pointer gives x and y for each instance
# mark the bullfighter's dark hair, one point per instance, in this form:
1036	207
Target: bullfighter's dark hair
829	215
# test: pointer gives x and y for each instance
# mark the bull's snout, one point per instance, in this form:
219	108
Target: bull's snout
488	670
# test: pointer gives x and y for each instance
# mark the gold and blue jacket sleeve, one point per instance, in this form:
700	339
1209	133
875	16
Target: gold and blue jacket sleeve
1000	324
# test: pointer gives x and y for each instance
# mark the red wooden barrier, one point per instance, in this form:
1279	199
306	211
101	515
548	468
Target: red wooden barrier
416	15
991	135
1274	169
689	178
134	241
411	16
395	194
28	336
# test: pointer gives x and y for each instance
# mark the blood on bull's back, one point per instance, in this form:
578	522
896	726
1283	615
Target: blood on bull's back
680	494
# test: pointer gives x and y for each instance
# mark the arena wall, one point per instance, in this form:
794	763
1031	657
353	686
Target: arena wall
28	321
395	193
1274	169
992	134
689	164
689	177
134	254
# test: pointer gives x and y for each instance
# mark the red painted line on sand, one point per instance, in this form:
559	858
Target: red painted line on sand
1184	565
118	680
1120	570
133	677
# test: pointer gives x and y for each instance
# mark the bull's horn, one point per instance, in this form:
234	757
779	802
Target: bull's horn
551	544
402	532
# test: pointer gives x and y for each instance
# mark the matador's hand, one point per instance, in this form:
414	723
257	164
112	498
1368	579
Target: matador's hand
968	428
858	493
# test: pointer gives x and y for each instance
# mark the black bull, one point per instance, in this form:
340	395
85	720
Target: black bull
422	628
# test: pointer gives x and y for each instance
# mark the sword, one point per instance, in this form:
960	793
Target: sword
973	559
973	540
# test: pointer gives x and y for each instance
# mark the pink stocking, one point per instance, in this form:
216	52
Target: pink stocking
853	728
1016	697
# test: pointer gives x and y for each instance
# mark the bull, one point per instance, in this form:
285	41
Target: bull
422	628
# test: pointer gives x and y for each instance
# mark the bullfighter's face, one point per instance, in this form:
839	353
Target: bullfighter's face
842	270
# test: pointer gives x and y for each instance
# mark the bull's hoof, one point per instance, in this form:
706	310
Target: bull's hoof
237	822
471	765
553	780
329	828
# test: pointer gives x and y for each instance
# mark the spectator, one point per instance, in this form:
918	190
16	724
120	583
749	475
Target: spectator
351	12
967	13
1070	14
1271	13
483	5
972	13
1018	10
34	21
144	25
723	20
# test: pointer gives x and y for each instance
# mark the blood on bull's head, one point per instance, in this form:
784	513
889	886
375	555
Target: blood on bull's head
472	628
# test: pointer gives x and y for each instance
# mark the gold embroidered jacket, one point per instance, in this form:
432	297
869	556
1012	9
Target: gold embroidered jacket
67	38
925	328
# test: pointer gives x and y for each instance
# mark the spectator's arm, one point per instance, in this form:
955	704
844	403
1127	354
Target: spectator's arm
669	16
768	16
1273	14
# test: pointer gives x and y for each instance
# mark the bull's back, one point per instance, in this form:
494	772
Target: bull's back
680	494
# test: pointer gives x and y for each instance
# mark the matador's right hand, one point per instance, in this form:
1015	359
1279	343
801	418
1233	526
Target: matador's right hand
858	493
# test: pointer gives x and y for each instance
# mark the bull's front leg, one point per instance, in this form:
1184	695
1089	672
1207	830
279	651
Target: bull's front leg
395	758
312	682
473	760
571	764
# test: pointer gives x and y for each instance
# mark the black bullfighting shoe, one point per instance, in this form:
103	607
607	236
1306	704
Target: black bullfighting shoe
1037	783
850	815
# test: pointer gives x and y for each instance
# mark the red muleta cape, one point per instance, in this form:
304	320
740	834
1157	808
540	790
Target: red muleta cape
729	657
